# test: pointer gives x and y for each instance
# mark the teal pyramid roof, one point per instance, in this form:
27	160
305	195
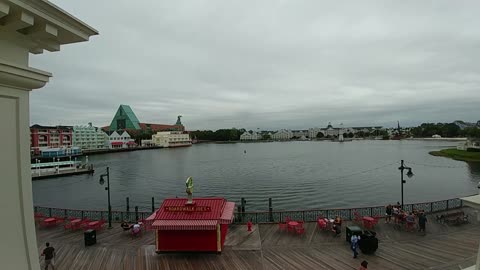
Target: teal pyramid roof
125	118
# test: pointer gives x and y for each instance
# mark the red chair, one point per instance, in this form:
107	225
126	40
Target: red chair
357	218
67	226
300	230
282	226
322	224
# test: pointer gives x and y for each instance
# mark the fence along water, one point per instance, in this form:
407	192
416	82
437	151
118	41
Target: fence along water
259	216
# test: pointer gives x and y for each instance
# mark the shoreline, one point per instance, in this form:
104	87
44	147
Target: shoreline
455	154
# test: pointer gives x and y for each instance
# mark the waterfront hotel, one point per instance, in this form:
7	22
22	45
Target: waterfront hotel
125	119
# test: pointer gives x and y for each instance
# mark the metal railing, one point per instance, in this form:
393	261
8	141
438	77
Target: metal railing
259	216
117	216
345	214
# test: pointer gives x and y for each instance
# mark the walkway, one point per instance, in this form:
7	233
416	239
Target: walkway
444	247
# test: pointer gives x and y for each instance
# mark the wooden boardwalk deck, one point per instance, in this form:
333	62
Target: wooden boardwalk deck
444	247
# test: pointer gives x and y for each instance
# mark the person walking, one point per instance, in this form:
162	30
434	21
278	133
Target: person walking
354	245
388	213
363	265
422	222
49	253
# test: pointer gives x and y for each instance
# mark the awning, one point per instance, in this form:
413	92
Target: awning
227	215
130	143
472	201
185	225
117	143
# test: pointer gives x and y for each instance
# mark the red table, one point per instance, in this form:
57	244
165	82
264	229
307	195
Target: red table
292	225
93	225
76	224
368	222
50	221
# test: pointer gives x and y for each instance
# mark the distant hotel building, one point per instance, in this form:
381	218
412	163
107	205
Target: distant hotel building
282	135
89	137
247	136
336	131
171	139
44	137
125	119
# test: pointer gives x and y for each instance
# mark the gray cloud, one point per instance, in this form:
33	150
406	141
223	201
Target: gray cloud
267	64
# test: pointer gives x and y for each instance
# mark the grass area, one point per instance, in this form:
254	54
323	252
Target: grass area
457	154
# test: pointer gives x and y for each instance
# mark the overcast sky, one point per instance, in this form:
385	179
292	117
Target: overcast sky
266	64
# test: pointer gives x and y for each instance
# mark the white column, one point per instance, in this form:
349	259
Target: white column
18	247
26	27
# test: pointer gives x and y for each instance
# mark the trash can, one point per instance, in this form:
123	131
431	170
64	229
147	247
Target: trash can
352	230
368	243
90	237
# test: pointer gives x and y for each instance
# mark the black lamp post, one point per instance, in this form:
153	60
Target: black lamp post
409	174
107	188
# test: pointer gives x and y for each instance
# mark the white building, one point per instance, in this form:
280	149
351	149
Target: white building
123	140
89	137
26	27
247	136
282	135
313	132
147	143
300	133
171	139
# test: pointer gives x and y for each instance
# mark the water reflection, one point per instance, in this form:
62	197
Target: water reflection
474	169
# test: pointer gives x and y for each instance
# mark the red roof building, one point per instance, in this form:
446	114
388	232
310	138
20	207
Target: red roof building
201	226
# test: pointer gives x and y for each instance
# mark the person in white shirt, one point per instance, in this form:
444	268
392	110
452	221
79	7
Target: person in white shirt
354	242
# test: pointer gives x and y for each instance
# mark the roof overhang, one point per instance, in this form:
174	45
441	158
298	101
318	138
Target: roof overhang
472	201
41	25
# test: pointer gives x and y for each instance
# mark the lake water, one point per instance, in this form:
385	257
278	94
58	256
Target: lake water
297	175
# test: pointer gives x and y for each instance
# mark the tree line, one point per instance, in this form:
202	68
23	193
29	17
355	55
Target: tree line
445	130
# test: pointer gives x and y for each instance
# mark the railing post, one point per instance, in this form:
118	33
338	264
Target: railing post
303	215
65	214
136	213
270	209
101	214
82	214
153	204
128	205
371	211
447	204
50	212
256	217
327	214
240	213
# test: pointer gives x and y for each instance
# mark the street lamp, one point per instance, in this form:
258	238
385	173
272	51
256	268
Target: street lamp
107	188
409	174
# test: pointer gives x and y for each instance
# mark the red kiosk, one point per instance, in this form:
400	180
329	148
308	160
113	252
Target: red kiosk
185	225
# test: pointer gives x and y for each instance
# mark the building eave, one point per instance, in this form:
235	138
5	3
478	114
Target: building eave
44	25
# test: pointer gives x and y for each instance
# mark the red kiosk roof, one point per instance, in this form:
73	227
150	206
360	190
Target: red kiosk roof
203	209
